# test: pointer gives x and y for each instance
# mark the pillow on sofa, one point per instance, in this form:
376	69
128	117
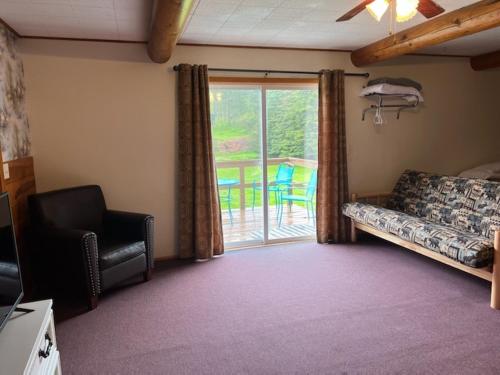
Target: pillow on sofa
489	171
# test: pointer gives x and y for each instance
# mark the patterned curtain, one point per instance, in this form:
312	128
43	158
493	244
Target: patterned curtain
331	225
200	223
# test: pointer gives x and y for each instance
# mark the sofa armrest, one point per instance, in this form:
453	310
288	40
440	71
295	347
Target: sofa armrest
131	226
77	249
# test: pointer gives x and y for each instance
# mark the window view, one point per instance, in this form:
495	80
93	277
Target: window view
273	129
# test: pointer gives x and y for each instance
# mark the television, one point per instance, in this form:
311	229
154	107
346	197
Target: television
11	287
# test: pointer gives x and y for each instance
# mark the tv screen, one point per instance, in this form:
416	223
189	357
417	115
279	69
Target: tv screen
11	289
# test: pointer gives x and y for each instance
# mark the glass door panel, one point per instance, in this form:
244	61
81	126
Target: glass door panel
236	117
292	154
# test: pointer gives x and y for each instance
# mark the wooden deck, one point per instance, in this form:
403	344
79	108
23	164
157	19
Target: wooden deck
247	224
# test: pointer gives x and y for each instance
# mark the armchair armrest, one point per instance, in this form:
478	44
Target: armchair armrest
78	248
132	226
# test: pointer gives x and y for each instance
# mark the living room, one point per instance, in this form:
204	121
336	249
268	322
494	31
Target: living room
334	276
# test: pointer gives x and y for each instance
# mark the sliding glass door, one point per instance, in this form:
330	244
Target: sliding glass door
265	147
292	154
236	116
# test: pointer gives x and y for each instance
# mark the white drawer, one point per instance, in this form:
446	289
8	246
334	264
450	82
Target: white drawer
24	336
45	355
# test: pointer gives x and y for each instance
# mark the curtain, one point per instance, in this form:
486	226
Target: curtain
332	191
200	223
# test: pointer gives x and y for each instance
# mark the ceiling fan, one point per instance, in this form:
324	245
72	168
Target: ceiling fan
405	9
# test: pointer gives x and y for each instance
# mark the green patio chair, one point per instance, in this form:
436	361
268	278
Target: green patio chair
308	198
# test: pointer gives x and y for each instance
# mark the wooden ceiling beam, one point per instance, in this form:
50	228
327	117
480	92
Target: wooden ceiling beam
487	61
169	18
471	19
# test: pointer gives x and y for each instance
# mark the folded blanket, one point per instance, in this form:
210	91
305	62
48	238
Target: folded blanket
396	81
408	93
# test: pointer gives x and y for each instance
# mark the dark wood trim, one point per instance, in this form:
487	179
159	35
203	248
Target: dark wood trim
82	39
468	20
10	28
487	61
263	47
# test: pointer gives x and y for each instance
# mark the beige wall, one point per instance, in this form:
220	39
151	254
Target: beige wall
102	113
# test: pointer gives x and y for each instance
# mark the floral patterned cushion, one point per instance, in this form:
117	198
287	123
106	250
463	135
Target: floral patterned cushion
457	244
471	205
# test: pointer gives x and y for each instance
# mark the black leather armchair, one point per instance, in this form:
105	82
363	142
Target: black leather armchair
79	242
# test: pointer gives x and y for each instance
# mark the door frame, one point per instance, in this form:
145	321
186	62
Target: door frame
264	84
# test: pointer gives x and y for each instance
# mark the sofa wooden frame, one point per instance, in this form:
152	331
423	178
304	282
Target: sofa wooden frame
491	273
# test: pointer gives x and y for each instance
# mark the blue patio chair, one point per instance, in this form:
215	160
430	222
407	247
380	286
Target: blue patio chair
308	198
227	183
282	182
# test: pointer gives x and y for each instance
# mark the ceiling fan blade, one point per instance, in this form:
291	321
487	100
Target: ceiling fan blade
429	8
354	11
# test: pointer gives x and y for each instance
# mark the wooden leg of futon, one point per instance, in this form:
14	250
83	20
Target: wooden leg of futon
148	274
353	231
495	281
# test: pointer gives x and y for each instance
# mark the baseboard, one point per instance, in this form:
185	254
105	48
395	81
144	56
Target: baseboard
166	258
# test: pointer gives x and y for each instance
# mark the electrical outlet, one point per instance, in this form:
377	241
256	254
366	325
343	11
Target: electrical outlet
6	174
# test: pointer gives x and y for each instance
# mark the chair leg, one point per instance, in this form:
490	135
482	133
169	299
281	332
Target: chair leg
92	302
280	218
253	198
148	275
276	203
230	213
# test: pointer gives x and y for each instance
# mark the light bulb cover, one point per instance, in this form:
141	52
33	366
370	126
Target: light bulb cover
378	8
406	10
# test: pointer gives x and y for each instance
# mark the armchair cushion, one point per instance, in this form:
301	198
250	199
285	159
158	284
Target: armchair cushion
112	252
125	225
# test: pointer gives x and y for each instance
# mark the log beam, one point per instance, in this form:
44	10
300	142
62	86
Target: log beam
169	19
471	19
487	61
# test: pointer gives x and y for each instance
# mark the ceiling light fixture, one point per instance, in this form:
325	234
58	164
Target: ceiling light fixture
405	9
378	8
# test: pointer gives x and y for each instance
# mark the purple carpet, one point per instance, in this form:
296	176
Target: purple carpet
293	309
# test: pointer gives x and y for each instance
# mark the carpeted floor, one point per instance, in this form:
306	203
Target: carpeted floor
369	308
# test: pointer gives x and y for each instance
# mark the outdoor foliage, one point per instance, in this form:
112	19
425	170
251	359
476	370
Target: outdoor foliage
292	117
292	120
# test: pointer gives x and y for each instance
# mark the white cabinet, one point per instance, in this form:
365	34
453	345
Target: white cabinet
28	342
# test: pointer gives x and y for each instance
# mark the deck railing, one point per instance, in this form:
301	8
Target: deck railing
243	164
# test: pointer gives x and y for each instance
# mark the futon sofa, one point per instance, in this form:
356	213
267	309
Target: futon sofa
450	219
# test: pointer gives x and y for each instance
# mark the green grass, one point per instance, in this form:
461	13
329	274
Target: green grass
301	177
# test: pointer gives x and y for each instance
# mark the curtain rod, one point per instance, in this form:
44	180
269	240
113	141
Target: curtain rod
365	75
